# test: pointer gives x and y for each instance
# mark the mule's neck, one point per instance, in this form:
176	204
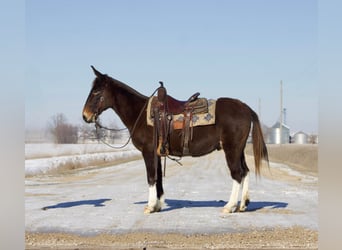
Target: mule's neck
127	103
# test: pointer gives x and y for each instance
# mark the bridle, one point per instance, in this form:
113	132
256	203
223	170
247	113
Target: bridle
100	126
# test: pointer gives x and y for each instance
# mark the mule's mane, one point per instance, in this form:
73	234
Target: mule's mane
125	87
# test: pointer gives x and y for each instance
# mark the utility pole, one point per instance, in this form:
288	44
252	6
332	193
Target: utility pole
281	113
259	108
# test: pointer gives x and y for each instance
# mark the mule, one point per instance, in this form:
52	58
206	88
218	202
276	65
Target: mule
234	121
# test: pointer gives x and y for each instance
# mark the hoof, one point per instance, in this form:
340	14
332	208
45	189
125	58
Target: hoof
150	210
225	210
229	210
243	208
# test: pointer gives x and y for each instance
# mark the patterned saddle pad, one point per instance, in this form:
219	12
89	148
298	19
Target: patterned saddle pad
199	116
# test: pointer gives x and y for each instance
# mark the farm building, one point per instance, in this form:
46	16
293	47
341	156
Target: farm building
275	135
300	138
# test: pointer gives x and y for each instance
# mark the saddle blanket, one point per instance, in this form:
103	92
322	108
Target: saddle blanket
199	119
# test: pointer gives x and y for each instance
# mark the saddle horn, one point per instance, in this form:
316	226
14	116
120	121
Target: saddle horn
161	93
96	72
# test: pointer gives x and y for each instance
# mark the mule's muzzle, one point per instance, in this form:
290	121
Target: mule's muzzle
85	119
89	118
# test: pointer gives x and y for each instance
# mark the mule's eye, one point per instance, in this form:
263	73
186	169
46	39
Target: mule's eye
96	92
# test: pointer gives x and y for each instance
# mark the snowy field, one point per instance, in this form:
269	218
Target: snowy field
53	158
90	189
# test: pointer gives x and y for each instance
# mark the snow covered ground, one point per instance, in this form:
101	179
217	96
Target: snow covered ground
89	189
51	158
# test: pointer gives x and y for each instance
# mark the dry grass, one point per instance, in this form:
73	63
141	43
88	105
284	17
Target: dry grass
303	158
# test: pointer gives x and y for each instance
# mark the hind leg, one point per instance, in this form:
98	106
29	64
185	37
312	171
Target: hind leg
245	194
238	170
245	185
231	206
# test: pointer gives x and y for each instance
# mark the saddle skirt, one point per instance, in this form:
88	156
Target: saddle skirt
202	112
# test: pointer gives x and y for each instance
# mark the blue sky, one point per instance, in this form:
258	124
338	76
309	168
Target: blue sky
239	49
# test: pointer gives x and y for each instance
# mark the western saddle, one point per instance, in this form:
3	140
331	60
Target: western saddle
163	108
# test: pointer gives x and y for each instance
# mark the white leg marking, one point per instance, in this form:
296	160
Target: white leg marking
162	200
152	195
153	204
231	206
245	194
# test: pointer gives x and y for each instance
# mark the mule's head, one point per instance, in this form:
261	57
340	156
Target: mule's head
98	98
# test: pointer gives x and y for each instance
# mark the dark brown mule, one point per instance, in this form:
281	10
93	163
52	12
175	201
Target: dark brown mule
230	133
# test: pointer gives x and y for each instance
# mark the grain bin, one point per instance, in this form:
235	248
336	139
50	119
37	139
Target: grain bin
274	136
300	138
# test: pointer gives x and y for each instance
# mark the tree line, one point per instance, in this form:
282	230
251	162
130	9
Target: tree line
64	132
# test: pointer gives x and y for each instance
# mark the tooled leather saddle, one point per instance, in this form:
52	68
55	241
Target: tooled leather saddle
164	108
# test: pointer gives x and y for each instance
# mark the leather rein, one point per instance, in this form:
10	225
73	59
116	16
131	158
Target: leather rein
100	126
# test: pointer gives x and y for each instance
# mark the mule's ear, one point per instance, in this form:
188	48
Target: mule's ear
96	72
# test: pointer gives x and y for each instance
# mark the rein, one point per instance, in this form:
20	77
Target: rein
98	125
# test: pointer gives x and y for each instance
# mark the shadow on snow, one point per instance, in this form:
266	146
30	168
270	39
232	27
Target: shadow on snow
173	204
95	203
252	206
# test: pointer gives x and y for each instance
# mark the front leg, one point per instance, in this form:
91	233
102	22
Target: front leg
154	204
155	197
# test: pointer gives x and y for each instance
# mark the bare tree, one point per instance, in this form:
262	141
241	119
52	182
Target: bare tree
62	131
87	133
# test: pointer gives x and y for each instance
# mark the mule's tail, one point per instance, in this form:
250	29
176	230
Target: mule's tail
259	146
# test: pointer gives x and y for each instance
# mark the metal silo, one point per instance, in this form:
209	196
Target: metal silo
277	135
300	138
